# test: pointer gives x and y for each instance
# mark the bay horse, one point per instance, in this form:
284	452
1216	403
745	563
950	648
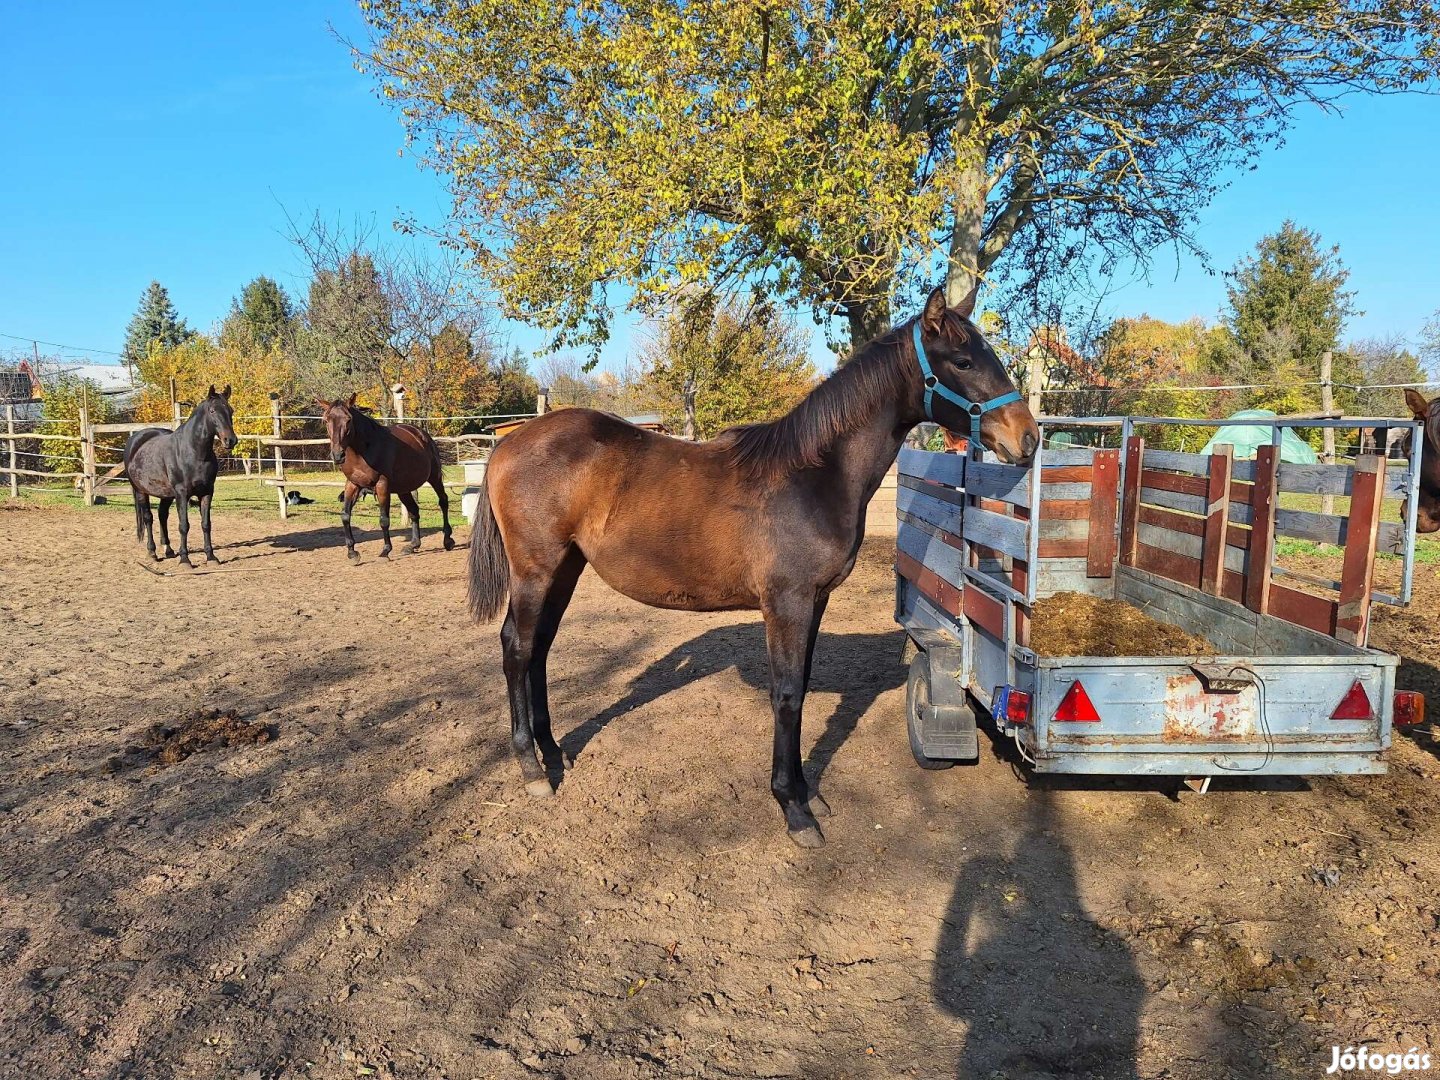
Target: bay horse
766	516
395	459
1427	515
177	466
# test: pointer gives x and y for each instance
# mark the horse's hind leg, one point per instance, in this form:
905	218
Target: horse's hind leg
556	601
437	481
382	500
407	500
517	641
165	502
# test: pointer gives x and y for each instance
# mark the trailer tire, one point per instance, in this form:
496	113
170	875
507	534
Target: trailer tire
917	697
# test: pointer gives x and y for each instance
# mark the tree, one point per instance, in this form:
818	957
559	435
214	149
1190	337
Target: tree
1289	297
60	415
711	368
1381	362
451	376
516	388
253	370
823	154
155	321
264	312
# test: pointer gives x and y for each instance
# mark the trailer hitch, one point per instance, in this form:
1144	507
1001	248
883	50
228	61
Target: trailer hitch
1220	679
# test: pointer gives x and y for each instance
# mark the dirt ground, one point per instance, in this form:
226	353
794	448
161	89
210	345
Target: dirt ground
367	891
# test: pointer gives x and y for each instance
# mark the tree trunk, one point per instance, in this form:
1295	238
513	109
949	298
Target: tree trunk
687	393
868	320
962	267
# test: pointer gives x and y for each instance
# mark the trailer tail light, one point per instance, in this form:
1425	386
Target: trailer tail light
1409	708
1355	705
1076	707
1011	705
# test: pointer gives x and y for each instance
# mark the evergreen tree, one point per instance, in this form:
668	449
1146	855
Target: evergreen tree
156	321
1288	303
263	313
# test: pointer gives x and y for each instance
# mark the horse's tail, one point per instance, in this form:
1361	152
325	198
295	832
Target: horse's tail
489	566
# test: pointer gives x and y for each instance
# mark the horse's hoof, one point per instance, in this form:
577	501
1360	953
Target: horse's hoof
818	806
352	555
211	558
411	549
449	543
540	789
385	554
186	564
808	837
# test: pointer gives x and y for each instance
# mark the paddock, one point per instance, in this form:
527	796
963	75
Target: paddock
369	892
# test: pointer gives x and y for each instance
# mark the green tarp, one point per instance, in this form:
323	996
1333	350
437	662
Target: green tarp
1245	439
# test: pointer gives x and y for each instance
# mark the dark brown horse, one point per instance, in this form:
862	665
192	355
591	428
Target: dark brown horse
177	466
766	516
395	459
1427	515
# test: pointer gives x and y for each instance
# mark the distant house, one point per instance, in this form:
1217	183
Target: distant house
20	389
114	380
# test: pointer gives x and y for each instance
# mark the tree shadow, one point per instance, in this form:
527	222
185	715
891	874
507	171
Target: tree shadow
845	664
1043	989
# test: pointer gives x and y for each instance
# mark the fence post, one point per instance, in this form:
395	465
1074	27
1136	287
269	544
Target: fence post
279	455
174	405
1327	406
1034	376
397	392
10	430
87	449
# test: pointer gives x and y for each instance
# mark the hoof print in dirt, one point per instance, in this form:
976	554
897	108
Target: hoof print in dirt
166	745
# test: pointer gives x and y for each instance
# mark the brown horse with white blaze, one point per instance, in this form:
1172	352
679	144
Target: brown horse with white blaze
767	516
395	459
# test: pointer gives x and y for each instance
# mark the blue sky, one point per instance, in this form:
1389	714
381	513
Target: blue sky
162	140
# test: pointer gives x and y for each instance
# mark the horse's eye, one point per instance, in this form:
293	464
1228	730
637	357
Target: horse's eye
962	362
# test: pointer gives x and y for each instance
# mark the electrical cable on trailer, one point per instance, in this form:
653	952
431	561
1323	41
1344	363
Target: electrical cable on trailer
1264	725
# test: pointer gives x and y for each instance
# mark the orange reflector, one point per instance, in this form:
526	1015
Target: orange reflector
1409	708
1355	705
1076	707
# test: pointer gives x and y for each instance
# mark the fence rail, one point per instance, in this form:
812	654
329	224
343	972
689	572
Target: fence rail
94	473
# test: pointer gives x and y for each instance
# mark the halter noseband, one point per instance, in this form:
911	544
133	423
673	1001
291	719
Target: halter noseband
933	386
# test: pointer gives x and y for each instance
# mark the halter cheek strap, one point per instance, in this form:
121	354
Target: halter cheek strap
934	386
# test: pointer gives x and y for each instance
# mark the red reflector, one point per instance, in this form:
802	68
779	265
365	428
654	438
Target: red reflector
1355	705
1076	707
1017	707
1409	708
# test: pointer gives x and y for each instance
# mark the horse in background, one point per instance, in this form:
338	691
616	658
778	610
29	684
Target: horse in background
766	516
177	466
1427	511
395	459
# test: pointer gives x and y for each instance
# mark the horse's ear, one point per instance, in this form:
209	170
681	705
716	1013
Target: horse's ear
966	306
1418	405
351	402
226	392
324	405
934	311
212	391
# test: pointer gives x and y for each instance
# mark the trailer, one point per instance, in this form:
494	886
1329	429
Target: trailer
1291	686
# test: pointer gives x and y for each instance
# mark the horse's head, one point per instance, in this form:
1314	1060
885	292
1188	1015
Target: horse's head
218	414
1427	512
964	385
339	417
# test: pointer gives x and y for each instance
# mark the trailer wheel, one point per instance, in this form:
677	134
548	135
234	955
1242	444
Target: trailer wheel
917	699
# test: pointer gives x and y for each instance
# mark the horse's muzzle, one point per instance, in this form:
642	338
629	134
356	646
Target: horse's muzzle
339	458
231	442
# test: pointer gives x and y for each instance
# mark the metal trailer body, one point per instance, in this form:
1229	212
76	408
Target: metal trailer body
1264	703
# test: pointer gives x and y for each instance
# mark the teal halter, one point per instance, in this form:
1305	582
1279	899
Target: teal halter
933	386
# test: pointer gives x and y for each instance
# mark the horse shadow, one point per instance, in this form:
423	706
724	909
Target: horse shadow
1043	989
845	664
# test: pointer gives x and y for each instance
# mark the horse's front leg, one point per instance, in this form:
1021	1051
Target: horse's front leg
382	500
437	481
165	502
412	505
352	491
205	526
182	512
790	624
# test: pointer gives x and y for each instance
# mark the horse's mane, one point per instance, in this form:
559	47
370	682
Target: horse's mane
843	402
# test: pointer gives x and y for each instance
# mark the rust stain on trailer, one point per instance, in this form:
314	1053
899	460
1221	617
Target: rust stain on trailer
1192	715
